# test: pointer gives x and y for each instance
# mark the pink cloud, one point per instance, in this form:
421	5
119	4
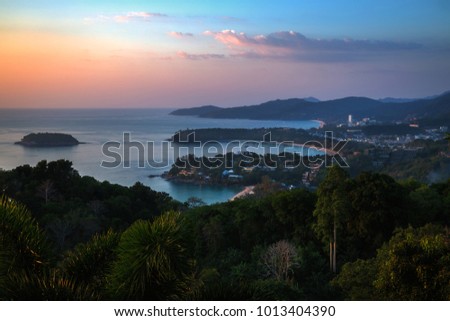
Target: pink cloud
293	45
230	38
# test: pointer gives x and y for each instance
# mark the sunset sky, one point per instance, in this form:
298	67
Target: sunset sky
100	54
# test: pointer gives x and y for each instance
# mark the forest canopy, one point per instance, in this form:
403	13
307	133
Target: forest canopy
67	237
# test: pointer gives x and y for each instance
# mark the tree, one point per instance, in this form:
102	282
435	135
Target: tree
50	285
378	206
293	211
427	206
415	265
62	228
194	201
46	190
152	263
279	260
332	209
266	187
355	280
23	245
90	263
26	272
213	233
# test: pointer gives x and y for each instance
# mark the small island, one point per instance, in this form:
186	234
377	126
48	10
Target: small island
48	140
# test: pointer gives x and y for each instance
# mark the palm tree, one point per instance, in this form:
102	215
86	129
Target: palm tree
152	262
48	285
89	263
23	245
26	269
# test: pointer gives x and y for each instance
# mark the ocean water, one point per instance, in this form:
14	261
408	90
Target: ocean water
100	126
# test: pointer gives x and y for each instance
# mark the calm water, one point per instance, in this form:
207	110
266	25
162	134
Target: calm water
96	127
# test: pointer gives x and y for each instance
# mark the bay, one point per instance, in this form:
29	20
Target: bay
95	127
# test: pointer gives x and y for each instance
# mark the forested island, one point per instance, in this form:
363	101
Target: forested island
357	237
48	140
204	135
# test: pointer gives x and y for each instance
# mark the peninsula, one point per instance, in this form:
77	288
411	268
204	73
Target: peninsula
48	140
430	109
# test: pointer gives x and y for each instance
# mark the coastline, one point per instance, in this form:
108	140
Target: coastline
248	190
327	151
321	123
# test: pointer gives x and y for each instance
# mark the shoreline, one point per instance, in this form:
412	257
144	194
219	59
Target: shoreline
327	151
321	123
248	190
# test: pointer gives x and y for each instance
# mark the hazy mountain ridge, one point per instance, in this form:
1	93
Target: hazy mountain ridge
196	111
336	110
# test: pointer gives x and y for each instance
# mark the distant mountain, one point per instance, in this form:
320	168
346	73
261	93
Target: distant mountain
408	100
397	100
333	111
312	99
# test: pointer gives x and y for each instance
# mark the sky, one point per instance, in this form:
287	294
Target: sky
168	54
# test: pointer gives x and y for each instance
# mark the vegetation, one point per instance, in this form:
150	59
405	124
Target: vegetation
152	263
414	265
242	169
72	208
241	134
389	241
48	140
425	160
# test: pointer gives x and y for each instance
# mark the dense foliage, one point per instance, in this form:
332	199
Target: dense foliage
73	208
392	241
48	140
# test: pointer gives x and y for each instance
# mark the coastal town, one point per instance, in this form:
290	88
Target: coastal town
367	145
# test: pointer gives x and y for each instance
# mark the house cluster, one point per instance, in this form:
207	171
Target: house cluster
192	174
355	132
230	176
352	122
392	141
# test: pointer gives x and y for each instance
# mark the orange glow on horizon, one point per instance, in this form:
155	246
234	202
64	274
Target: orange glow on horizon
71	71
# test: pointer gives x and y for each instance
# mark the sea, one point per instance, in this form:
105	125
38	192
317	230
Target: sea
102	131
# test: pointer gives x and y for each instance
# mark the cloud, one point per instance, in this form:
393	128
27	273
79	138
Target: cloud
137	15
126	17
179	35
293	45
185	55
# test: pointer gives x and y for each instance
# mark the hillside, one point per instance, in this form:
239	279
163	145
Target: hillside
333	111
